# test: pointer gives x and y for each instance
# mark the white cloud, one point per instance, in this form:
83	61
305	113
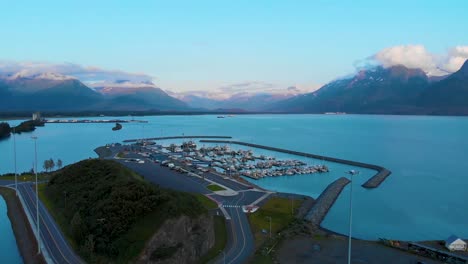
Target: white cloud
87	74
417	56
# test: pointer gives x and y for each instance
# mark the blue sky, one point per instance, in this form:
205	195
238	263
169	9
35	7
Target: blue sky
202	45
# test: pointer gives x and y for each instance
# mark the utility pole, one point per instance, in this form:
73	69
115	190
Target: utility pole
352	173
14	154
37	198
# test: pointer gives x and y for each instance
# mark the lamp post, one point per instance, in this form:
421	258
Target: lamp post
14	154
37	198
352	173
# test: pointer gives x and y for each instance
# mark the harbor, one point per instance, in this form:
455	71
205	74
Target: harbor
230	162
373	182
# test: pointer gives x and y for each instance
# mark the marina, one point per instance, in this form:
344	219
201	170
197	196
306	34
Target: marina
374	182
231	162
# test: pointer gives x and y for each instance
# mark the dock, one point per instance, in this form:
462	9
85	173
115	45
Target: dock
174	137
326	200
373	182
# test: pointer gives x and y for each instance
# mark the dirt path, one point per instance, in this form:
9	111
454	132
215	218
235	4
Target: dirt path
25	238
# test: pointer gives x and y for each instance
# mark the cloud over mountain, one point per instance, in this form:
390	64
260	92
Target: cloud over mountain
417	56
86	74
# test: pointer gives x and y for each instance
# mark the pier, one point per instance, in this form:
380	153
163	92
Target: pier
373	182
325	201
174	137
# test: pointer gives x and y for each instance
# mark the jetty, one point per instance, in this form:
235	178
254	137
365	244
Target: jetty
373	182
174	137
325	201
89	121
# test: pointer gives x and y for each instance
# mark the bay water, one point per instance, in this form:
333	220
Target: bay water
424	198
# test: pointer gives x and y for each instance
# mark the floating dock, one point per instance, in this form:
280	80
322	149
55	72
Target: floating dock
373	182
174	137
325	201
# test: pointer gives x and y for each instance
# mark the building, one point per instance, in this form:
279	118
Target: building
454	243
36	116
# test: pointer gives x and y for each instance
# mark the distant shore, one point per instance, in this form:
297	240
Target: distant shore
57	114
24	235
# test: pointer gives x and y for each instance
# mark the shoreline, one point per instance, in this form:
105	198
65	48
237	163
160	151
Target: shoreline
24	236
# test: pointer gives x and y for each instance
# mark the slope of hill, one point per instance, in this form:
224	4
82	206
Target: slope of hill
109	212
52	92
393	90
240	101
448	96
140	98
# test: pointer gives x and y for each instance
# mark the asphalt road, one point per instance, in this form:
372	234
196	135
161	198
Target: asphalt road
57	247
241	243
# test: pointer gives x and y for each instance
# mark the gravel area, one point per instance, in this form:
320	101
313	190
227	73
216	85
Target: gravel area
334	249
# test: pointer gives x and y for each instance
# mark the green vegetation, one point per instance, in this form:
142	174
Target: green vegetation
117	127
220	240
109	212
206	202
214	188
120	155
5	130
26	126
25	177
279	209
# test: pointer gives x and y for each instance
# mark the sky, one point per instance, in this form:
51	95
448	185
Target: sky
205	45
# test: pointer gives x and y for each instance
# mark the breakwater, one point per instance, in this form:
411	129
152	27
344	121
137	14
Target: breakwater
373	182
174	137
89	121
325	201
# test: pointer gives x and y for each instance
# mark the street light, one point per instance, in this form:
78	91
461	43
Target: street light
37	198
269	218
352	173
14	154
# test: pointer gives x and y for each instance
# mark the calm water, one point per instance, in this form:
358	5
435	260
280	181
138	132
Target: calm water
9	252
424	198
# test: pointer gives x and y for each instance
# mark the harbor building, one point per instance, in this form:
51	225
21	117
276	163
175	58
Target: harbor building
454	243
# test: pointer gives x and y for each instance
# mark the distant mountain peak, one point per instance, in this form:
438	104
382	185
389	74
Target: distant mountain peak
464	67
41	76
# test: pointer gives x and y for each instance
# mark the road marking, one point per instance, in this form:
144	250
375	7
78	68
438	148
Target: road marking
26	204
243	235
48	230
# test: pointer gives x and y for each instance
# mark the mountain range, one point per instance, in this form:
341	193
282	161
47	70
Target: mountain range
53	92
391	90
376	90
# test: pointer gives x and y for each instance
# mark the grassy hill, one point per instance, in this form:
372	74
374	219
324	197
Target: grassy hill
108	212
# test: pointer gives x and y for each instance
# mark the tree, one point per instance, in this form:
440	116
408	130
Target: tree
59	164
46	165
77	227
51	164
